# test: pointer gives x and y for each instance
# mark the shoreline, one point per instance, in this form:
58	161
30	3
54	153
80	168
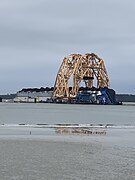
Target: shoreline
123	136
44	154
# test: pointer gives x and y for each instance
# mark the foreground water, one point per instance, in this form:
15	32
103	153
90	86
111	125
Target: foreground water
64	159
59	113
43	154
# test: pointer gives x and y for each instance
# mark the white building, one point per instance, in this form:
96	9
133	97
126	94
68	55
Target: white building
32	96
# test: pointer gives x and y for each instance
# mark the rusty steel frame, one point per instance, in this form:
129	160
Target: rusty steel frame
74	68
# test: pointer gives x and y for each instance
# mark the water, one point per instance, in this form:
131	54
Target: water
60	113
43	154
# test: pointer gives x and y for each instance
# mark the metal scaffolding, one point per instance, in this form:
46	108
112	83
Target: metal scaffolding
77	68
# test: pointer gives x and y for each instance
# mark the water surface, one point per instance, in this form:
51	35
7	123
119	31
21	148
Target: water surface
13	113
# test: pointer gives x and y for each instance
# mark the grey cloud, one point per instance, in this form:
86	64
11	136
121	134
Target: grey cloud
36	35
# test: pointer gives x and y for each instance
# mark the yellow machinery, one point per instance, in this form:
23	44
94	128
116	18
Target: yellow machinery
77	68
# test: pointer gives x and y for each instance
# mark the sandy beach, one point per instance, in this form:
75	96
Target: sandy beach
76	157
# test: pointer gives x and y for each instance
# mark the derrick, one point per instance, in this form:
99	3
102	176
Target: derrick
77	68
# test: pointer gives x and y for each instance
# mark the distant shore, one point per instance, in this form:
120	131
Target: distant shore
127	99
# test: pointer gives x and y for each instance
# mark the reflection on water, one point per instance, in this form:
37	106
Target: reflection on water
51	141
79	130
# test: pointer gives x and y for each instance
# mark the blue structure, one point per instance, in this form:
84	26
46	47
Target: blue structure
101	96
86	98
107	96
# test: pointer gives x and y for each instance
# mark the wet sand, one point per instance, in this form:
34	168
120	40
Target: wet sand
65	157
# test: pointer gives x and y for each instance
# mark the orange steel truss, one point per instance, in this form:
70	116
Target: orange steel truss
76	68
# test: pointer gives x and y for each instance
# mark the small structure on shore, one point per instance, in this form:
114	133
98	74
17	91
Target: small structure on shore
31	95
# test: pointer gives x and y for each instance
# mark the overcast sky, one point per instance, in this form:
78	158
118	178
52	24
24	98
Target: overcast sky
35	36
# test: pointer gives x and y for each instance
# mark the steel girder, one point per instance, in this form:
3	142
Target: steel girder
74	69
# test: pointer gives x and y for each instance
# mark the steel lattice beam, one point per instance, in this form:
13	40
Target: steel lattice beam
74	69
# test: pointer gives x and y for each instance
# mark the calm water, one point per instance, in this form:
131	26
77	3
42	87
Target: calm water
47	156
58	113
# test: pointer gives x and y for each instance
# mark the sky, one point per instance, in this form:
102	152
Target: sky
35	36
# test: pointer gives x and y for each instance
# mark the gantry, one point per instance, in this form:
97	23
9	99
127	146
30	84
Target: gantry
76	68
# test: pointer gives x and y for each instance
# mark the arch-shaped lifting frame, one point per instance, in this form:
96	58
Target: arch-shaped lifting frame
76	68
